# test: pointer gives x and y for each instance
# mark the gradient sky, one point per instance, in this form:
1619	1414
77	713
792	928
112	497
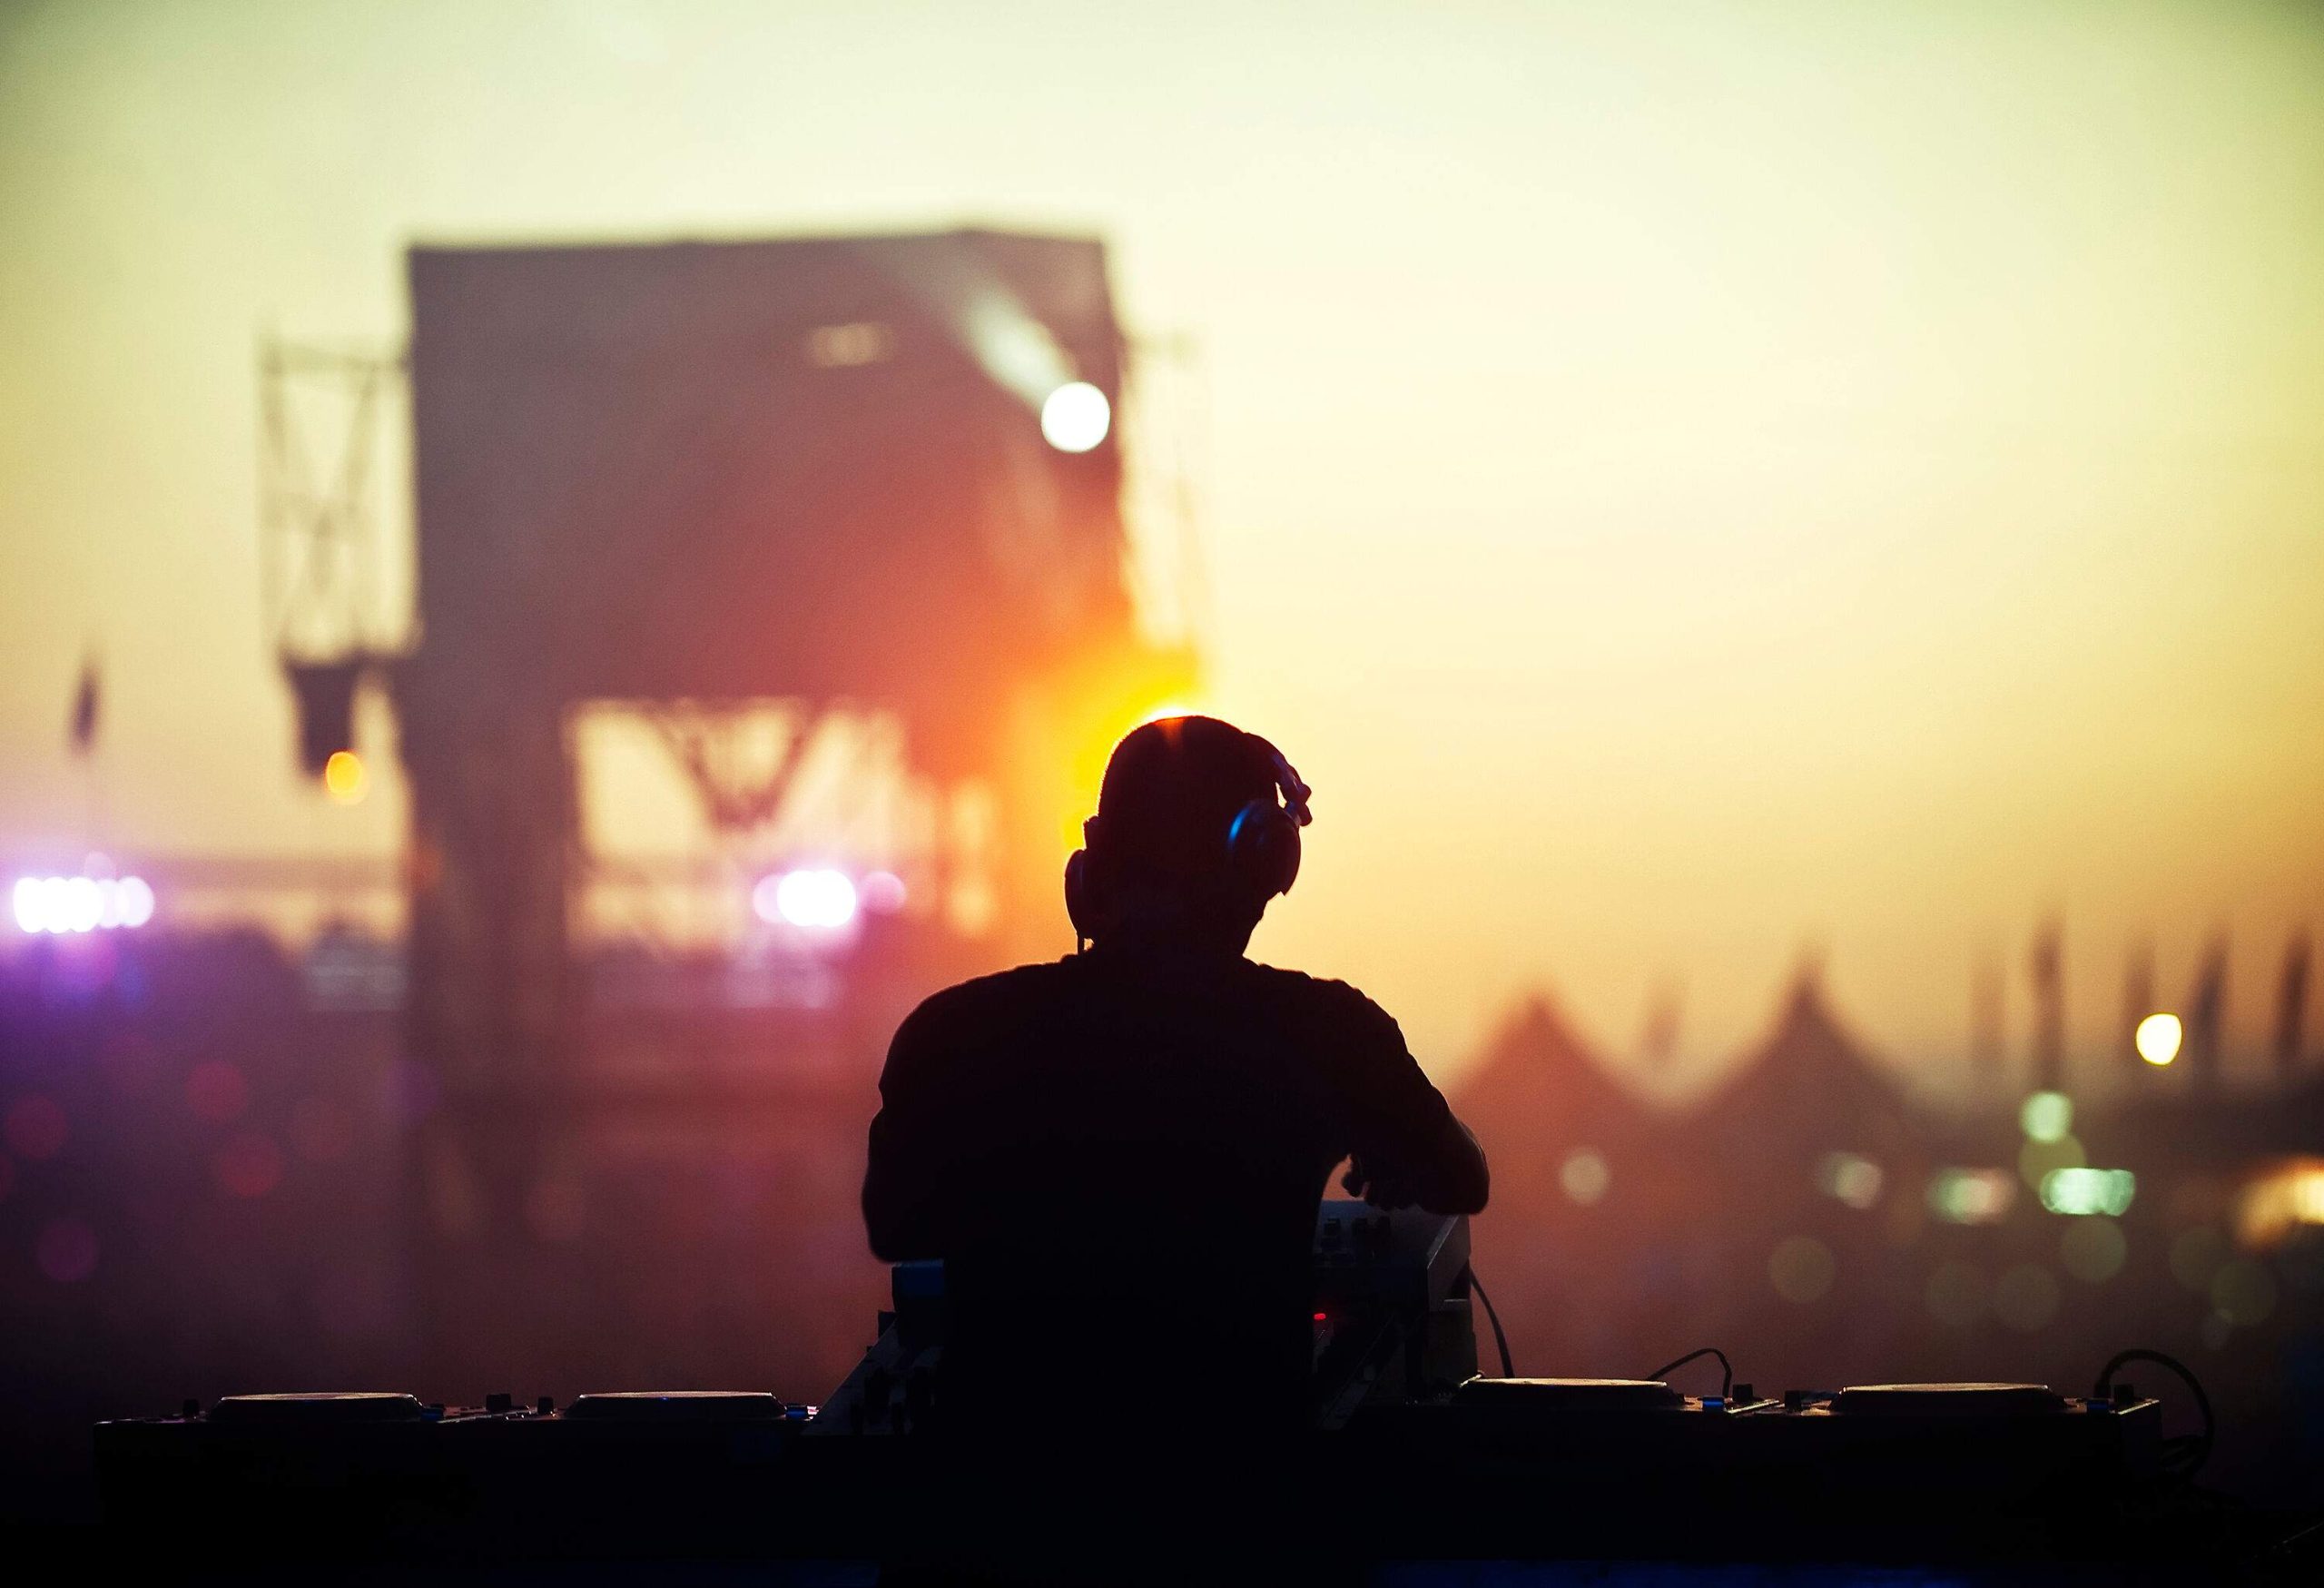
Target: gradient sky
1687	485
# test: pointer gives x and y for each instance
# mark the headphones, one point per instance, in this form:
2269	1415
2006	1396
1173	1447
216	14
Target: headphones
1262	848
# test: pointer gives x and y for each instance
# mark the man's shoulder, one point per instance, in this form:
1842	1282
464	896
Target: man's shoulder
1326	997
984	997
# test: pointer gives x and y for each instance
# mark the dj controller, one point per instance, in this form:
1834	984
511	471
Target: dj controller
1413	1457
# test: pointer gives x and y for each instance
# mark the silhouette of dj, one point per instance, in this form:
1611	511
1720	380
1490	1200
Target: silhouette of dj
1119	1155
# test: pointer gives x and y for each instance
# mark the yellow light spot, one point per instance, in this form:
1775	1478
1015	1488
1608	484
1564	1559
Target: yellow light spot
344	778
2159	1037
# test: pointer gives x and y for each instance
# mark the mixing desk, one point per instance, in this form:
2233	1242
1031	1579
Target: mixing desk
2018	1481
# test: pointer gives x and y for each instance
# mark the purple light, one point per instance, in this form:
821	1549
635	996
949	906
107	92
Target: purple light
66	906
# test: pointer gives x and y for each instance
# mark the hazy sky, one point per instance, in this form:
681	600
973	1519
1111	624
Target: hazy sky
1686	483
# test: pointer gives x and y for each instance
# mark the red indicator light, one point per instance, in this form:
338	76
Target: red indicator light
1319	1318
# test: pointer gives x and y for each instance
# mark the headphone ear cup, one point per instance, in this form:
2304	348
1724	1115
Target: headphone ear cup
1288	851
1263	848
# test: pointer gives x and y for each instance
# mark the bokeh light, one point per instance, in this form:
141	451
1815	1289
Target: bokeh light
2274	1204
881	893
71	905
249	1167
2079	1192
57	904
2046	1116
2038	1160
1849	1178
136	901
1972	1196
1076	417
813	898
2158	1039
1585	1175
345	778
1802	1269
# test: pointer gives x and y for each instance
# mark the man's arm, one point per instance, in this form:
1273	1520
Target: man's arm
904	1172
1409	1149
1454	1179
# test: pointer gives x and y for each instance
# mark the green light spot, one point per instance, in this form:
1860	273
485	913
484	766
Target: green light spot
2046	1116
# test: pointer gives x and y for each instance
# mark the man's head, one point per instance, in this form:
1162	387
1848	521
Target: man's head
1189	841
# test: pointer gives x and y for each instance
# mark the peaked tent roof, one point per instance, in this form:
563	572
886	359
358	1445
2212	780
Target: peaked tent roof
1810	1080
1540	1085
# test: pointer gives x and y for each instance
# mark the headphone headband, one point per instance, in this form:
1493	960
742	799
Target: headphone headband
1296	794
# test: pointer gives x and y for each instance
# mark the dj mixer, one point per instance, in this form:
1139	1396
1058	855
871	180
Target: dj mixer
1413	1457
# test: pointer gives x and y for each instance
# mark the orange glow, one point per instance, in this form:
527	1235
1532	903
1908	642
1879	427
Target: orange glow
1653	639
344	777
1125	693
2271	1207
1089	768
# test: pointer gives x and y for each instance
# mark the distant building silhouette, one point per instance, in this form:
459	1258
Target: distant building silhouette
2206	1016
2291	1008
2048	966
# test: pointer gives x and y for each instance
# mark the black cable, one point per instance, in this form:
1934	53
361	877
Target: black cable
2190	1450
1500	1340
1726	1371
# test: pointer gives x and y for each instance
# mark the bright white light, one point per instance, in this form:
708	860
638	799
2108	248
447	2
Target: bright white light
82	906
76	904
2159	1036
816	898
2082	1191
1076	417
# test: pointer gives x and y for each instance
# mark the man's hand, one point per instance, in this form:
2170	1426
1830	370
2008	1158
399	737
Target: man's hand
1452	1179
1386	1189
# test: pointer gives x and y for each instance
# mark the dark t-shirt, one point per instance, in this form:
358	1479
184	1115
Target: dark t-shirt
1119	1156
